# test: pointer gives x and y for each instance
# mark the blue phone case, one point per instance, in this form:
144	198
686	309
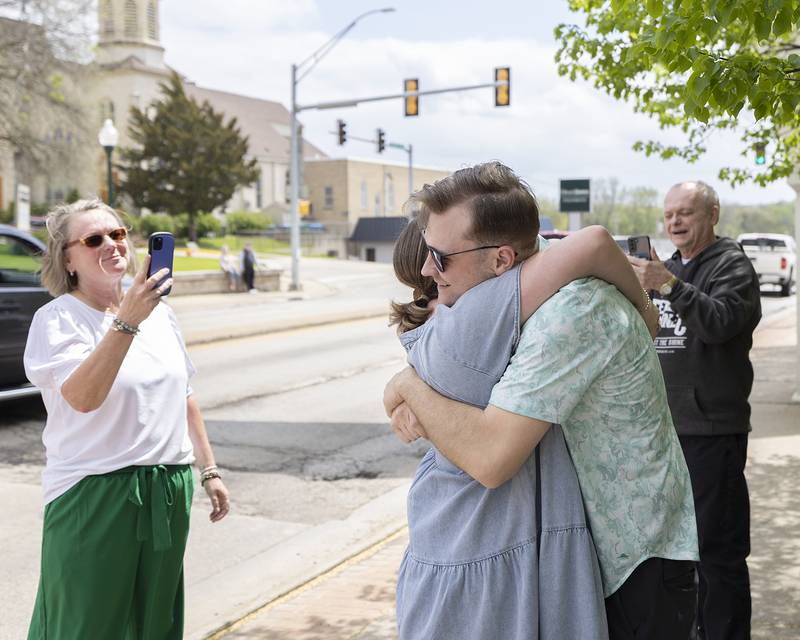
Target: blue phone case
161	254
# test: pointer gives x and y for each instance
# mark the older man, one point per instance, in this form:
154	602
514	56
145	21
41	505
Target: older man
710	304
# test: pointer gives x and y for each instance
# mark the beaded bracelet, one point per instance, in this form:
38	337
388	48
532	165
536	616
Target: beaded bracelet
124	327
646	297
208	475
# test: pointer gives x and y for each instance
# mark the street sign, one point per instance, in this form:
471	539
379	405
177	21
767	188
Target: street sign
575	196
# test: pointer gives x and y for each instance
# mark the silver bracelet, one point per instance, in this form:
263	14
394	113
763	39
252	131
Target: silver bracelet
124	327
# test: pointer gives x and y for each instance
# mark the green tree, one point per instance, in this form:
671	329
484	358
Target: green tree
186	158
701	66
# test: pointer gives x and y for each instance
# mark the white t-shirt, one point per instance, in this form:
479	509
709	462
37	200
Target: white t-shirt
143	419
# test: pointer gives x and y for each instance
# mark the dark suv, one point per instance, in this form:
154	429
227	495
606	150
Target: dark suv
21	294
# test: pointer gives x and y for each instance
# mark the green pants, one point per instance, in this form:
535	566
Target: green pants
112	557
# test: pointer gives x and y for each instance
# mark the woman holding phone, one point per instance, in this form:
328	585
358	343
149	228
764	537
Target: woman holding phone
122	431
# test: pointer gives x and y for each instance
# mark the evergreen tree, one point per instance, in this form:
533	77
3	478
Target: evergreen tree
186	158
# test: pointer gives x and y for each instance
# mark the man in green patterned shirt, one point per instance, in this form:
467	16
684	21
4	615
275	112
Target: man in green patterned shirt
586	361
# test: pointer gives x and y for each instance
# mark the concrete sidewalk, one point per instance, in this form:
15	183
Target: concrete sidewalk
355	600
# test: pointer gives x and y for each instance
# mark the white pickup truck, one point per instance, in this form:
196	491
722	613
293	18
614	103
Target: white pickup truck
774	257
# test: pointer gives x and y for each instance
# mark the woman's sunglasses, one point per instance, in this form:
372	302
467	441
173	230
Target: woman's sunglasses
440	259
95	240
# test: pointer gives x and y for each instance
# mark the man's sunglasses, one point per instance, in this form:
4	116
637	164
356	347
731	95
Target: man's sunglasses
440	259
95	240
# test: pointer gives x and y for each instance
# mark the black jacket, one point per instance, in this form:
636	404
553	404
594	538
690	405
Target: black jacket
707	325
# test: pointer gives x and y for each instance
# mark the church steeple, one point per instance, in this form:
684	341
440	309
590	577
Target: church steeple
129	28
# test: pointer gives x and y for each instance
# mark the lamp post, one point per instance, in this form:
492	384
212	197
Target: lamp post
108	138
298	73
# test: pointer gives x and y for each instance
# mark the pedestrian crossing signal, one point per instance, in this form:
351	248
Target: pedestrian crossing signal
761	153
411	102
502	92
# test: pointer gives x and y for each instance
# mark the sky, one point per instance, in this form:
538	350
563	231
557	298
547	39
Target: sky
554	129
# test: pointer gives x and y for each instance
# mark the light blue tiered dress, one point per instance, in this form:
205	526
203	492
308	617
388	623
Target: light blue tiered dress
476	567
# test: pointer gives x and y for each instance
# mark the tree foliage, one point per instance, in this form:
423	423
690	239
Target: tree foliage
43	44
701	66
186	158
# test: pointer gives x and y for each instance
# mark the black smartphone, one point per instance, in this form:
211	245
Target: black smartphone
637	246
161	247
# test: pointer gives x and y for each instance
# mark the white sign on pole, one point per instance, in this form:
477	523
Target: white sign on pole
23	207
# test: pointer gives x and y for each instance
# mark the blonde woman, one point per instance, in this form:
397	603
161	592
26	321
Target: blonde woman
122	431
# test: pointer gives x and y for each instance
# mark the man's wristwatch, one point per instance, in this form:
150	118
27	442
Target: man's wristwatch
666	288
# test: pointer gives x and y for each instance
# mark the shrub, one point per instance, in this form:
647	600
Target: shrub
207	225
247	221
147	225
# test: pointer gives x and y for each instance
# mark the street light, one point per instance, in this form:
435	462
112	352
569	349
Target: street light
108	138
294	152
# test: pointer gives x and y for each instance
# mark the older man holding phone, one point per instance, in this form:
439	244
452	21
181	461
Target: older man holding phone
709	298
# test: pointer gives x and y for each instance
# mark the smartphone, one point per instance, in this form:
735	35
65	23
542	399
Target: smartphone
161	247
637	246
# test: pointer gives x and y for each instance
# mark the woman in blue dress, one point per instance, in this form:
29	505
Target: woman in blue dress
516	562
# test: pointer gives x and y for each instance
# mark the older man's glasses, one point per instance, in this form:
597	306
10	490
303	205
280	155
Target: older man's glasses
95	240
440	259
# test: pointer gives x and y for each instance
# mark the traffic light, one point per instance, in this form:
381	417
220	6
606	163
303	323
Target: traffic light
761	153
342	131
381	140
502	93
411	102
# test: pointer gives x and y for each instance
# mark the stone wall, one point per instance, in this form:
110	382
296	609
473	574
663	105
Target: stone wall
196	282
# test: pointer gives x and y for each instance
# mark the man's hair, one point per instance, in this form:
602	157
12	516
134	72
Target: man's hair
708	197
504	209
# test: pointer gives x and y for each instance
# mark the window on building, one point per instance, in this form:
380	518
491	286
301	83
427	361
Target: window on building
259	194
328	198
388	183
377	210
106	18
370	254
364	195
106	110
131	20
152	20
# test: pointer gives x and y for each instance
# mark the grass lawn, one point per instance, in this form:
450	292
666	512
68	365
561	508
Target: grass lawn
236	243
182	263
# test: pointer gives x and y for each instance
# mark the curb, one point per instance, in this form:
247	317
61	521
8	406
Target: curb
336	569
303	323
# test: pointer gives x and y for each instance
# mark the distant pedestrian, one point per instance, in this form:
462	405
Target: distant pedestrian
122	431
710	304
228	266
247	261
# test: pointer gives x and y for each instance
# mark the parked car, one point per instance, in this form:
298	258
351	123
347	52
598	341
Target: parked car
21	294
774	257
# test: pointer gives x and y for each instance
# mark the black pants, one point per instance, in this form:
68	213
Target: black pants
248	275
716	466
656	602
